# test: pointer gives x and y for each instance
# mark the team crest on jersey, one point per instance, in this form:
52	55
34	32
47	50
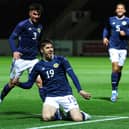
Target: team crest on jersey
124	23
56	65
39	30
29	28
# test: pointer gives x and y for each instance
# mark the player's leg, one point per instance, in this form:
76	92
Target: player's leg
77	115
50	110
18	66
115	75
31	64
122	58
115	80
9	86
40	87
117	64
114	57
71	107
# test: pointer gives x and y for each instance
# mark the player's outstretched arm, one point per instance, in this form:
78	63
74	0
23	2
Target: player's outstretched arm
25	85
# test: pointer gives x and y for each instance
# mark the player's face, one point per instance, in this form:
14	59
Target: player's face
120	10
34	16
48	51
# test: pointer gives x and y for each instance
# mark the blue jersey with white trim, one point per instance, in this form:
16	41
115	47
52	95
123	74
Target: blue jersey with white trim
53	74
28	35
112	32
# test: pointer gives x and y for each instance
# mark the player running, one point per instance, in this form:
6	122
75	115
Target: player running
115	36
56	89
28	33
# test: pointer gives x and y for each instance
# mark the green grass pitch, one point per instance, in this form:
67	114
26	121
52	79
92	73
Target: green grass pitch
21	109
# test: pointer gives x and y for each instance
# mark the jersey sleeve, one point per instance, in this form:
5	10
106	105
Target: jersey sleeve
72	74
14	35
106	30
32	77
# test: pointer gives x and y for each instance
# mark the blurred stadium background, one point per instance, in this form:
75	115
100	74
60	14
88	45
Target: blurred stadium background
75	25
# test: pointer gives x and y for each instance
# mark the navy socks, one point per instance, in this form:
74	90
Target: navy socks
5	91
115	78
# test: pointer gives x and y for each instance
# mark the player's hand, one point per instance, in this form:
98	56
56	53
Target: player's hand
84	94
122	33
16	55
105	41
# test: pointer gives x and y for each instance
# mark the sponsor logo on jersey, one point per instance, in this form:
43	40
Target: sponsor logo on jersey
124	23
56	65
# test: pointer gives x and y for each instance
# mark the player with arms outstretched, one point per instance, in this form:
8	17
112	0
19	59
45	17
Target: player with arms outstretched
115	36
56	88
28	33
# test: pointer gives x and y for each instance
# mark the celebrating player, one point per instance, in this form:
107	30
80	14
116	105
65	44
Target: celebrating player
28	33
56	89
115	36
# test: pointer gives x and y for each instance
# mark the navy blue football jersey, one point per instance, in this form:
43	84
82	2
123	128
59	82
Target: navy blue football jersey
53	74
28	35
112	29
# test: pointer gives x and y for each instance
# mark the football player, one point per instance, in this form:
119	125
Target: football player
115	36
56	88
28	33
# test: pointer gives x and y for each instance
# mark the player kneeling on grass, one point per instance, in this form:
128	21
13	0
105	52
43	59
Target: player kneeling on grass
56	88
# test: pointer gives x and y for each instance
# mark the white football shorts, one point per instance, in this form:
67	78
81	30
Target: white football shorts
67	102
118	56
20	65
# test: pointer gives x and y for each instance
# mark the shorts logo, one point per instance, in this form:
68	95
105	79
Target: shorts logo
56	65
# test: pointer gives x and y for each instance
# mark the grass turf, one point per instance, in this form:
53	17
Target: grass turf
21	109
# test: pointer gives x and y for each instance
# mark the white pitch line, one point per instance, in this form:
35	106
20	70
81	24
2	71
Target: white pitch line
77	123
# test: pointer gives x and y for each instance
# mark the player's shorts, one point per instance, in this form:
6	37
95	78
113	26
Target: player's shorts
67	102
20	65
118	56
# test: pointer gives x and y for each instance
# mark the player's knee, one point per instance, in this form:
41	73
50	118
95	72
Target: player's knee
116	69
75	115
11	84
47	117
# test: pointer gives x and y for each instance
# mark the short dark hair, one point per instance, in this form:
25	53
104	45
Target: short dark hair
36	6
120	3
43	43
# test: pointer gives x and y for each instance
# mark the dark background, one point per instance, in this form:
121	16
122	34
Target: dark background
13	11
